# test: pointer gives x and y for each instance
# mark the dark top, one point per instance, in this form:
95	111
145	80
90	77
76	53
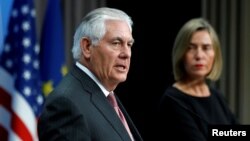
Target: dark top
77	110
186	117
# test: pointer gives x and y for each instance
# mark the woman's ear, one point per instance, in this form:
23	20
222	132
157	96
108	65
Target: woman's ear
85	47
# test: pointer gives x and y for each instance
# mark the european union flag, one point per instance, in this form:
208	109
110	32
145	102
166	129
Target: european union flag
52	47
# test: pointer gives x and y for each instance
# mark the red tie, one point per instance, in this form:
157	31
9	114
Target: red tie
113	102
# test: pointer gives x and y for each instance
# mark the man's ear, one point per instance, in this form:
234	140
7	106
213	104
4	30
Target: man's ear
85	47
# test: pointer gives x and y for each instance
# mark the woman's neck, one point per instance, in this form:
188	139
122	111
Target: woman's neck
193	88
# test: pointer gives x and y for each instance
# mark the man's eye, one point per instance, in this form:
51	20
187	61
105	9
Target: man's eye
116	43
130	45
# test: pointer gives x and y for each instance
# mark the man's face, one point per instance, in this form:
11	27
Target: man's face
110	59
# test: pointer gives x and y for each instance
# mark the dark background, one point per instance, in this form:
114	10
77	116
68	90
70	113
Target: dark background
155	26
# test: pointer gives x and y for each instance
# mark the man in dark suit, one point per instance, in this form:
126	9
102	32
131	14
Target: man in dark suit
78	108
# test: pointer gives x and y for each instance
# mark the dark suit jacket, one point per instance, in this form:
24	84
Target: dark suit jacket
77	110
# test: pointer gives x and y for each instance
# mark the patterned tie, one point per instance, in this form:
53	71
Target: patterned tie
113	102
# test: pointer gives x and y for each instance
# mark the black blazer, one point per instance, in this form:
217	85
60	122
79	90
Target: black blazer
77	110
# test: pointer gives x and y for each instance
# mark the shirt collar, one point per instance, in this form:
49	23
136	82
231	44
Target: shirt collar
92	76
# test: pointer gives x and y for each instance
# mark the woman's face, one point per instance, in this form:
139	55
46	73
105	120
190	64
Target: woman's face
199	57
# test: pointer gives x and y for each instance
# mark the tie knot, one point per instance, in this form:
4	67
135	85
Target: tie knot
112	99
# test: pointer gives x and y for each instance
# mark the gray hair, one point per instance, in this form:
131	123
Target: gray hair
93	26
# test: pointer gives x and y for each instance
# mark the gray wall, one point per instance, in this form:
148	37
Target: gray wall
231	18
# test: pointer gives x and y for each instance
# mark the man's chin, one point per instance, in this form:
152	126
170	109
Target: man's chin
122	79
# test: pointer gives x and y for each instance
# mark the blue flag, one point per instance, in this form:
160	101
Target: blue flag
52	47
1	30
21	98
5	7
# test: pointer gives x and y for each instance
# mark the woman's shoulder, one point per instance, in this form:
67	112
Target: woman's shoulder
216	93
174	93
175	96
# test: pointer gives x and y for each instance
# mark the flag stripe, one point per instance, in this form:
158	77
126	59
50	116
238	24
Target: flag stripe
8	82
3	131
23	114
19	104
16	123
5	125
19	127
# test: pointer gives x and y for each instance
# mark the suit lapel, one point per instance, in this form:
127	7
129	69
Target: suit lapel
109	113
101	103
131	125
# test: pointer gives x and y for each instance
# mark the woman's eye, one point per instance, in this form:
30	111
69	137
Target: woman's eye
191	47
207	47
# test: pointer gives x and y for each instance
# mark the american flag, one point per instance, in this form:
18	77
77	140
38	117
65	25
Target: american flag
21	99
